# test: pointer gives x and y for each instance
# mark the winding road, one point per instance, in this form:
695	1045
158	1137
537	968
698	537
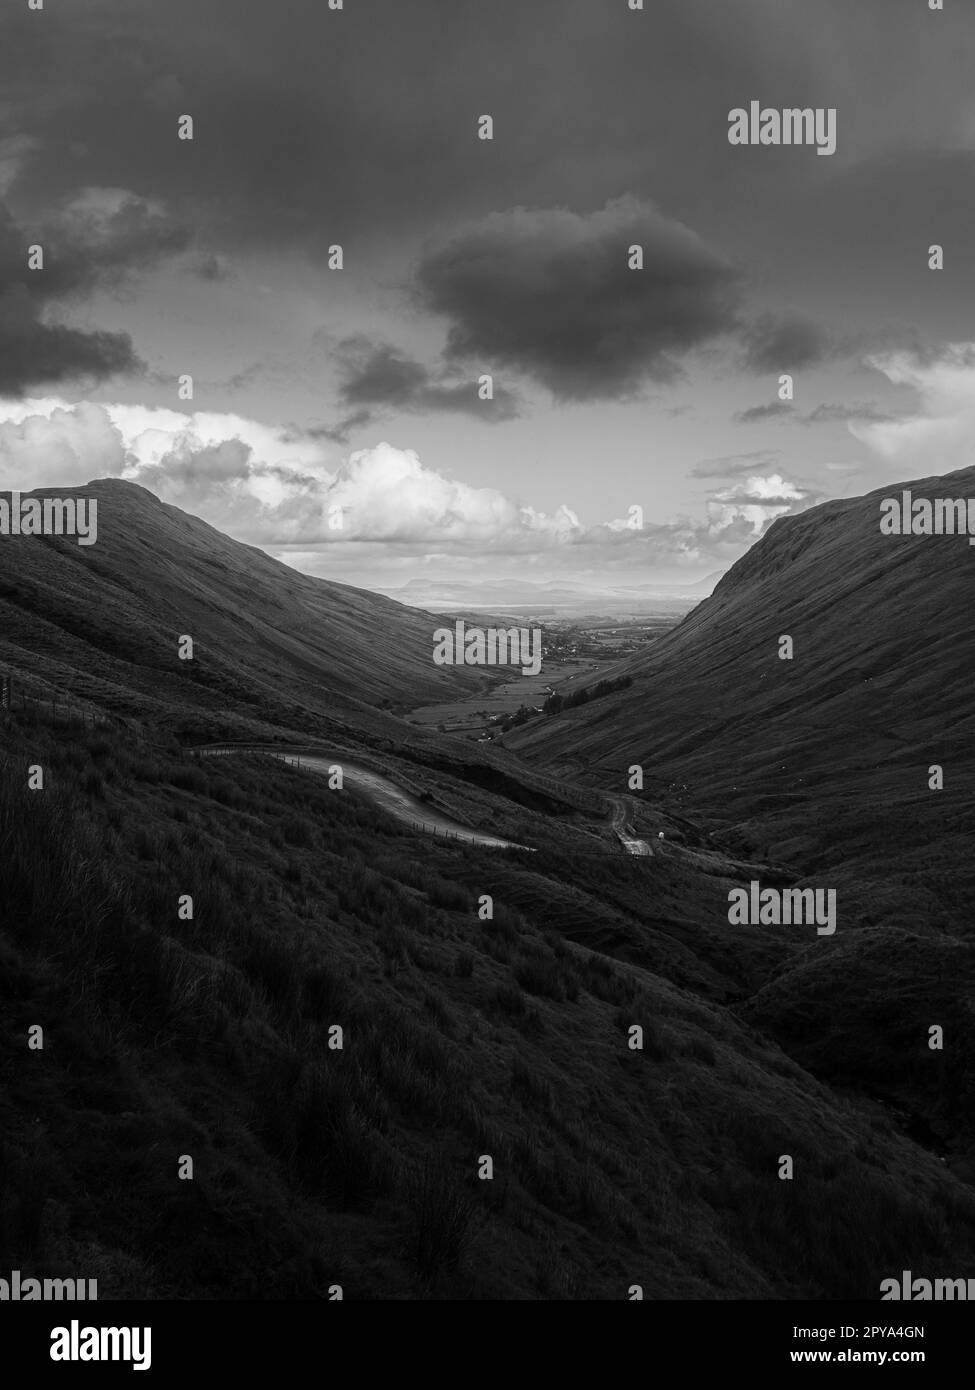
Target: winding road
621	810
407	808
377	788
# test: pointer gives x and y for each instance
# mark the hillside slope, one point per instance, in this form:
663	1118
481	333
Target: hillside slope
462	1038
824	757
822	762
270	643
464	1035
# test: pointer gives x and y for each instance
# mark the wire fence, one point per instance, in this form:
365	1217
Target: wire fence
54	706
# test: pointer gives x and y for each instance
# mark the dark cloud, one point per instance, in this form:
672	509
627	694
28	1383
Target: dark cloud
463	396
755	413
780	493
735	465
784	343
379	375
209	266
95	238
550	294
32	352
829	413
311	124
101	236
931	353
314	125
339	433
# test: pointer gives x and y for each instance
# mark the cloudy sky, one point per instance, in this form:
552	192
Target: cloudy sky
336	420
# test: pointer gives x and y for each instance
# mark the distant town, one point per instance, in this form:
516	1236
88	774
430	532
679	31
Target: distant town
576	657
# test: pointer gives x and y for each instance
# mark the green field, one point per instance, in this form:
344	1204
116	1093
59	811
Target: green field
474	713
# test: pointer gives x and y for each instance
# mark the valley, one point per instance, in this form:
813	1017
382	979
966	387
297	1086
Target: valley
507	1034
575	653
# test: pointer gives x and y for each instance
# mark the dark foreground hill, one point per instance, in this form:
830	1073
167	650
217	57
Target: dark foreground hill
463	1039
823	762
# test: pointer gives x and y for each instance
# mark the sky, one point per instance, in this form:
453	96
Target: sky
635	434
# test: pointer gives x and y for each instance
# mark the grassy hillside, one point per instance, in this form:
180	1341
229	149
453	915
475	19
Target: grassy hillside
271	646
822	763
462	1037
793	753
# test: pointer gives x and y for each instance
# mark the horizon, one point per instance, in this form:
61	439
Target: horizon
529	596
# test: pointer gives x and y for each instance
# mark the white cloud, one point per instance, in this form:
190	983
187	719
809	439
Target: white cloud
281	489
757	499
272	484
60	445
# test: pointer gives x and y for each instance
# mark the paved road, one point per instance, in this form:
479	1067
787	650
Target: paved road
621	814
378	789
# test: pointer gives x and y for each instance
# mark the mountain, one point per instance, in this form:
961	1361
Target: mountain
876	691
822	762
270	644
466	1032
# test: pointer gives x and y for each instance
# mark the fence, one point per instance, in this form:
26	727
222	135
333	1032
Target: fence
53	705
429	829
